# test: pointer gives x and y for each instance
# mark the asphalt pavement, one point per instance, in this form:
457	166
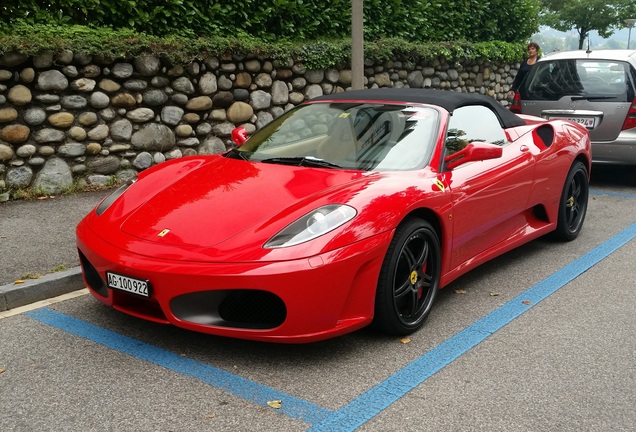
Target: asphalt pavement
539	339
38	257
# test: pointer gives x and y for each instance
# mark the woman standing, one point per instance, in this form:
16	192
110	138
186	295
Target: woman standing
526	65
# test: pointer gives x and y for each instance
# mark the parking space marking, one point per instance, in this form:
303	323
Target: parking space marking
378	398
375	400
612	194
234	384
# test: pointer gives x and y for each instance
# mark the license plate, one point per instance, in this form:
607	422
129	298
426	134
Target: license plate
128	284
588	122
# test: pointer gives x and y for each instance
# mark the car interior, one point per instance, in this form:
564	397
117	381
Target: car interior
559	78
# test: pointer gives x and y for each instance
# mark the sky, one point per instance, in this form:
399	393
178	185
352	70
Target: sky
619	36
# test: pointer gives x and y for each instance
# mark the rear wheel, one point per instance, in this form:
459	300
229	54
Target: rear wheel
409	279
573	204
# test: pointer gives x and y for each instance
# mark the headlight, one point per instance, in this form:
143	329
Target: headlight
312	225
110	199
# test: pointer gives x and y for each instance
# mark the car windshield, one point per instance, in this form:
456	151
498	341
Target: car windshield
347	135
590	79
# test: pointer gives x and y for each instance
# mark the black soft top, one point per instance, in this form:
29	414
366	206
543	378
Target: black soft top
449	100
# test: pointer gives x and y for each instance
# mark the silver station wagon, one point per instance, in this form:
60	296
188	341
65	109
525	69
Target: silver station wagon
594	88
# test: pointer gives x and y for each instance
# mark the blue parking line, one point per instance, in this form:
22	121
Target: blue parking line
236	385
612	194
378	398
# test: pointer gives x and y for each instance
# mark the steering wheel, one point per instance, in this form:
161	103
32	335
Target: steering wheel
596	79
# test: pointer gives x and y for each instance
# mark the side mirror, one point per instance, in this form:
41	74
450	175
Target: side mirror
239	135
474	151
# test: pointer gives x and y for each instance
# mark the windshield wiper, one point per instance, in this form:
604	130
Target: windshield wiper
583	97
308	161
237	154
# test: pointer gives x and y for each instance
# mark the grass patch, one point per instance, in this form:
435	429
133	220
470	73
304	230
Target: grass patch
31	275
59	268
75	188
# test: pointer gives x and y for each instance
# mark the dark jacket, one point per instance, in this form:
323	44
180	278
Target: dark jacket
521	73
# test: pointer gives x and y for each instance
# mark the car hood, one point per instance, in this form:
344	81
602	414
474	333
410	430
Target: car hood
226	197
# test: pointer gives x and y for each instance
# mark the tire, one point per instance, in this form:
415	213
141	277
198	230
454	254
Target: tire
573	203
409	279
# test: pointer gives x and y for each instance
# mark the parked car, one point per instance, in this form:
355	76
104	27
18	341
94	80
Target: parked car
351	209
594	88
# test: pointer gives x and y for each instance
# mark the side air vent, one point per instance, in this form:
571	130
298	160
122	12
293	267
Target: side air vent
545	134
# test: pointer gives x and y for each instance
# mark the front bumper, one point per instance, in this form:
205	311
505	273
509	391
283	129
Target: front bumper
294	301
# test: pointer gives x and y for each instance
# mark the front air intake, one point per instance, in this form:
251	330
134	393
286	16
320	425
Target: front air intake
237	308
91	276
253	308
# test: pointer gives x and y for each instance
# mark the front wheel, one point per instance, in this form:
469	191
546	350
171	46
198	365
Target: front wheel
409	279
573	204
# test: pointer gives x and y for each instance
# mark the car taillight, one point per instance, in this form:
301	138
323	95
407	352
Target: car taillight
515	106
630	119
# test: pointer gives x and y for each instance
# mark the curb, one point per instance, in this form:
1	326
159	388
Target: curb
32	290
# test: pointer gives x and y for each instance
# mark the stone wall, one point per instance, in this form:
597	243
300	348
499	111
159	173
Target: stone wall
68	120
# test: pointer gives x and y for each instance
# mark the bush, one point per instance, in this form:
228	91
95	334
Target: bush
316	54
414	20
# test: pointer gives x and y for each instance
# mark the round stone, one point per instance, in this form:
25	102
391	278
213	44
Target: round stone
34	116
62	119
15	134
77	133
8	115
183	130
93	148
26	150
20	95
6	152
87	118
200	103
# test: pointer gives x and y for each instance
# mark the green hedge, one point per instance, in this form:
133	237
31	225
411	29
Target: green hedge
411	20
114	44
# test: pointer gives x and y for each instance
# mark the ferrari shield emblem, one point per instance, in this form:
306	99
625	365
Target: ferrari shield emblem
439	184
163	233
413	277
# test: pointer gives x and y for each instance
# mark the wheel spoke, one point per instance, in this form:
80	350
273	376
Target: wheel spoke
419	262
576	189
409	257
572	209
569	216
402	290
414	303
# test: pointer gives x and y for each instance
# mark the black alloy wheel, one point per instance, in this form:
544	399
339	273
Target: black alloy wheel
409	279
573	204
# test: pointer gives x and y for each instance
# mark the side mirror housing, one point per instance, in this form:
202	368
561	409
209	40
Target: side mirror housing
474	151
239	135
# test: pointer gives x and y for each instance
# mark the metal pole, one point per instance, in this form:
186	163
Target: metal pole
630	23
357	45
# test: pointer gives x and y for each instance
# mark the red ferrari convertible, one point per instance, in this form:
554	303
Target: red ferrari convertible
349	210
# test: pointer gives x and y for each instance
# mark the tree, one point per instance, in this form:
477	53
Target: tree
604	16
